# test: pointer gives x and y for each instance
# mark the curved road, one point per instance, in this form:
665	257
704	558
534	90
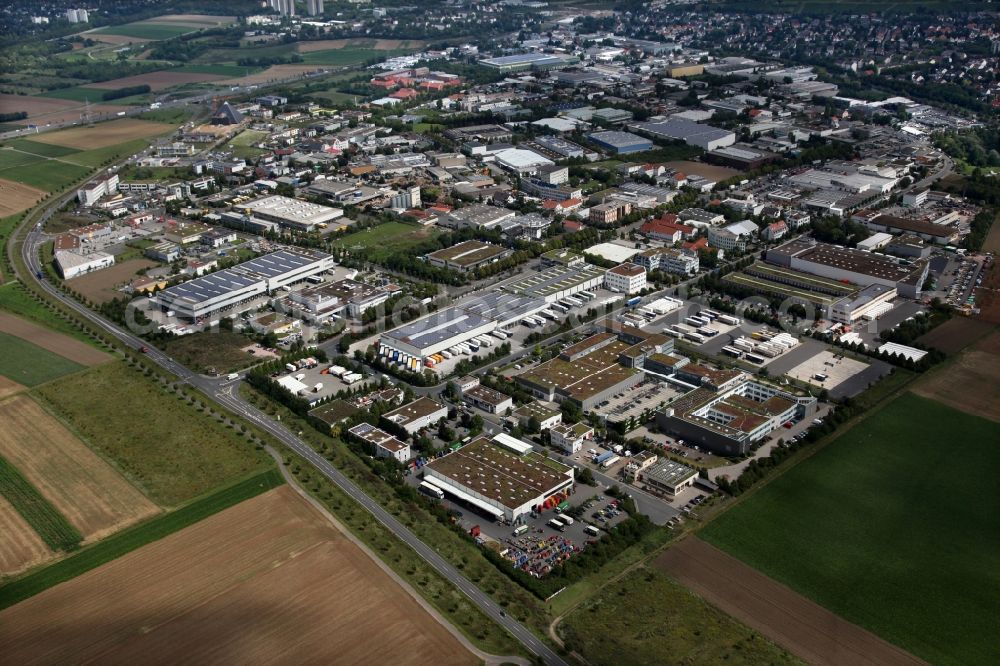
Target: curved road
224	393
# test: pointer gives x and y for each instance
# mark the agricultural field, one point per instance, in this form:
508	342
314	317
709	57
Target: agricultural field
104	134
8	387
238	585
673	627
155	80
157	441
17	197
92	496
21	548
969	382
45	109
211	351
386	239
102	286
53	341
271	74
955	334
15	299
923	536
350	55
145	30
50	525
29	364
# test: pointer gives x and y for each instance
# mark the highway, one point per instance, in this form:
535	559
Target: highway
224	393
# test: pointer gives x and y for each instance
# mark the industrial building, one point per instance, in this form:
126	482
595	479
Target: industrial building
557	282
870	303
505	482
209	296
521	162
385	445
620	143
488	400
334	298
666	477
74	264
290	213
475	216
417	415
857	266
730	421
522	61
690	132
467	256
455	329
592	370
569	437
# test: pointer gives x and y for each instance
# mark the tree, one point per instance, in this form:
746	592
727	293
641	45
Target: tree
534	425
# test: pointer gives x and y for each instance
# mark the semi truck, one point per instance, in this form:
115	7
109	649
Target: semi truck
557	524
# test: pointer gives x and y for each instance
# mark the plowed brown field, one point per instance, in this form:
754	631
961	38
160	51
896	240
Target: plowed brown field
79	483
267	581
20	548
15	197
8	387
970	383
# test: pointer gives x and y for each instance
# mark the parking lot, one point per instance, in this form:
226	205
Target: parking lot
836	367
630	404
313	377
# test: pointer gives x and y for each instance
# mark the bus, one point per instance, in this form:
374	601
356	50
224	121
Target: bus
591	530
431	489
520	529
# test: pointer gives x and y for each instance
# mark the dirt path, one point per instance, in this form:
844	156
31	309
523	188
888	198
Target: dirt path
57	343
783	615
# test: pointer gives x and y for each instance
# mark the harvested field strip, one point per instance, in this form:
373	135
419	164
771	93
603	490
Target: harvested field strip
20	548
29	364
268	581
17	197
969	382
50	525
103	134
7	387
803	627
39	148
137	536
92	496
68	348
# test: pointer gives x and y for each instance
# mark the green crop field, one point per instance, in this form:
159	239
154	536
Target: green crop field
158	441
386	238
45	174
39	148
45	519
12	159
646	618
221	70
78	94
141	30
98	156
349	56
895	526
137	536
31	365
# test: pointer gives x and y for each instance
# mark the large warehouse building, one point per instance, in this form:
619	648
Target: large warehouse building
503	478
857	266
688	131
521	61
621	143
207	297
557	282
291	213
409	345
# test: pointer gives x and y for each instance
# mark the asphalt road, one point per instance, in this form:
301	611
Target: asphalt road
225	393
